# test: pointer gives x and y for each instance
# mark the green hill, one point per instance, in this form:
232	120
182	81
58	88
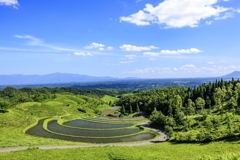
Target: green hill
199	115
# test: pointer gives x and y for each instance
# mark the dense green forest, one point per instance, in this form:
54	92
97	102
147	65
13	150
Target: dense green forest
205	113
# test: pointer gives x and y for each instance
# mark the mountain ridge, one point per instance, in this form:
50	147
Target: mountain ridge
57	78
235	74
19	79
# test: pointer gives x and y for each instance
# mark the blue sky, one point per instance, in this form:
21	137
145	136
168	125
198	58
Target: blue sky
120	38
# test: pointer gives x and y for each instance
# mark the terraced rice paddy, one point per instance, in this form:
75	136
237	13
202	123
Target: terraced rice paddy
120	119
91	131
55	127
95	125
110	121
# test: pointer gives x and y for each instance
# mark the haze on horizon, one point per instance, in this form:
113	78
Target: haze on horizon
120	38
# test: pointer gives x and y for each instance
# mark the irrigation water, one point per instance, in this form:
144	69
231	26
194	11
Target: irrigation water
38	130
55	127
88	124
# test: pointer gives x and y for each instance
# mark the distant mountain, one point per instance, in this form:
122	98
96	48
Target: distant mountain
50	79
235	74
64	78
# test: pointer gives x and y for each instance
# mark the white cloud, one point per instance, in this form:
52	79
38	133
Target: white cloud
152	59
129	47
94	45
125	62
225	16
173	52
24	50
82	54
188	70
152	54
13	3
211	63
149	70
208	22
140	18
130	56
187	67
138	1
178	13
109	48
181	51
33	41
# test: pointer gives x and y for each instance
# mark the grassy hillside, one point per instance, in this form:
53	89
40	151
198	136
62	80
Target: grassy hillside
107	98
18	119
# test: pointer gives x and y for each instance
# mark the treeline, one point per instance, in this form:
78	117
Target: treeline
204	113
11	96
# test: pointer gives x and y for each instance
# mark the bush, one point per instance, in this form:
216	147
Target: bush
82	110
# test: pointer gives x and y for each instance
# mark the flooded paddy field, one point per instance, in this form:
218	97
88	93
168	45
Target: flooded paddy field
108	136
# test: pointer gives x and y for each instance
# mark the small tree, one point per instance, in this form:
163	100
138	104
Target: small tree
157	117
138	109
4	105
168	130
122	110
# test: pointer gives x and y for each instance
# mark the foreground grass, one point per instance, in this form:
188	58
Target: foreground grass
162	151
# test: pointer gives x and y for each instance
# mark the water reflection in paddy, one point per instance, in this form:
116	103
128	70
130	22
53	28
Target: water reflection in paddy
38	130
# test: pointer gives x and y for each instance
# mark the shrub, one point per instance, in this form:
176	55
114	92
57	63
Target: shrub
82	110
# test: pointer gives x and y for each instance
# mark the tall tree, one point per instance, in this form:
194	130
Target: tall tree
130	109
190	107
200	103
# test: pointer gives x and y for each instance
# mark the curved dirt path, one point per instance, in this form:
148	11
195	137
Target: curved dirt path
162	138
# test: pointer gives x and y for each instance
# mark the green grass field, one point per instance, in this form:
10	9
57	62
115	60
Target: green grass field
17	120
108	98
161	151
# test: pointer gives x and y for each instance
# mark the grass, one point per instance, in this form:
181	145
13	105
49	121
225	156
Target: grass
107	98
162	151
108	112
17	120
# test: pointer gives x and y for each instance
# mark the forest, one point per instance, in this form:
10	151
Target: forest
208	112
